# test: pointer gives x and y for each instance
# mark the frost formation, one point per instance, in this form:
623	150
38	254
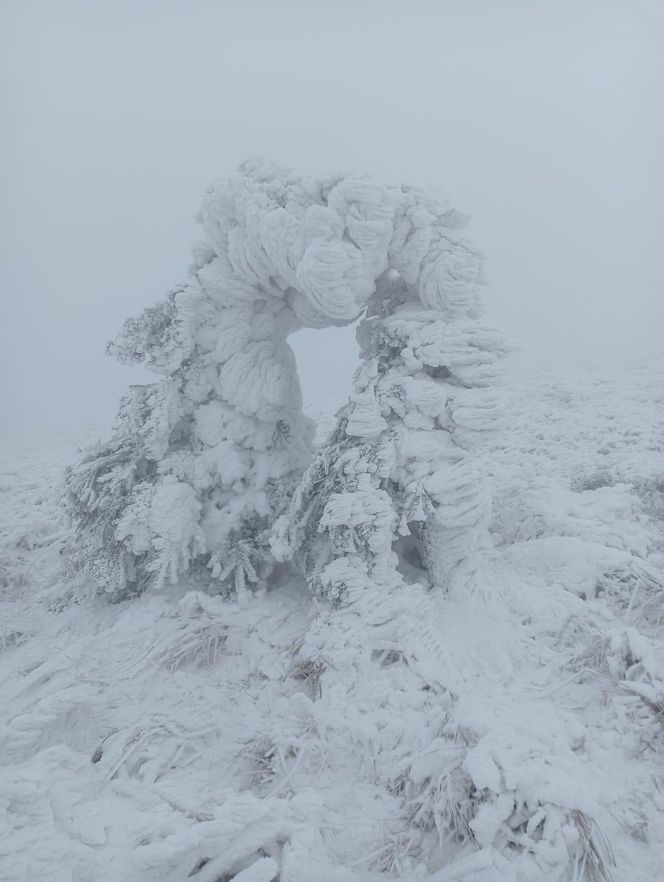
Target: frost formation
211	473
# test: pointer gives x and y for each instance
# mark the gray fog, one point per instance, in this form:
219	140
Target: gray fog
544	121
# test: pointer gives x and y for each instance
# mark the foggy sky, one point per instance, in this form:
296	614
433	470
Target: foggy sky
544	121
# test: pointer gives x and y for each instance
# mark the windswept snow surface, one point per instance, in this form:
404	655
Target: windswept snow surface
511	735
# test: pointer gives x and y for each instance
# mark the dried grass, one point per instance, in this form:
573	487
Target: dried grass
197	644
262	755
592	855
309	671
147	750
636	592
10	637
199	639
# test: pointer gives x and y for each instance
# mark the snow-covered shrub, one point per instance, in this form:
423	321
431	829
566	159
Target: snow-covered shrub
441	798
593	481
510	796
203	462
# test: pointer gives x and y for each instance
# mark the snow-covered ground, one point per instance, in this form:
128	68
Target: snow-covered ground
514	735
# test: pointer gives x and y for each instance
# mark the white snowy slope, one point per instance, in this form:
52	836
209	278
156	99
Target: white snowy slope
512	734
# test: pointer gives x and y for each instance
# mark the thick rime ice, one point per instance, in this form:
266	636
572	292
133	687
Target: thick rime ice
204	462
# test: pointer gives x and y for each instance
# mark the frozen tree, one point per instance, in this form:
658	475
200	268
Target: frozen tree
395	485
203	462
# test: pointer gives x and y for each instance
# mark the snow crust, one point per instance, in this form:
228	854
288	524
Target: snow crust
507	733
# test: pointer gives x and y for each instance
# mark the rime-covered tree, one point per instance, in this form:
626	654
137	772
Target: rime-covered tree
395	486
203	462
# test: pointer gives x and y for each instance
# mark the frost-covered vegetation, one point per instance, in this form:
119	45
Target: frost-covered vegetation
511	733
430	649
